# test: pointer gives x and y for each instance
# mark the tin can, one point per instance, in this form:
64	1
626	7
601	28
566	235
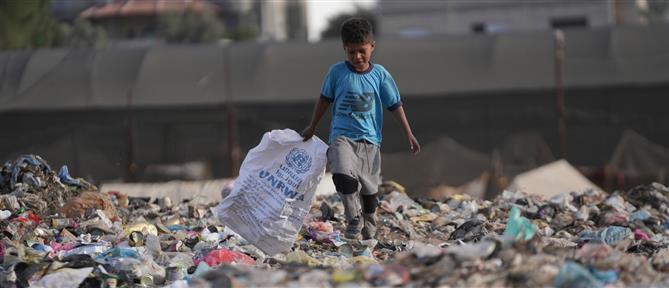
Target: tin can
146	280
136	239
109	282
173	221
60	222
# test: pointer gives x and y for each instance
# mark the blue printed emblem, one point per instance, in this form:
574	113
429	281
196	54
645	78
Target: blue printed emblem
299	160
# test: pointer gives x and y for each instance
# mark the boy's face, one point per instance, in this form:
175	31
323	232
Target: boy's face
359	54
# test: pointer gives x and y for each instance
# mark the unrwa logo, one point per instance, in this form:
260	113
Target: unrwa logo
299	160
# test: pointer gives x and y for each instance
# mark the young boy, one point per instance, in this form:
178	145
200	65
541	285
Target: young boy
359	90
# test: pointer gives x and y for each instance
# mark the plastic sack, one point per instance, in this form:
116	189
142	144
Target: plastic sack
273	193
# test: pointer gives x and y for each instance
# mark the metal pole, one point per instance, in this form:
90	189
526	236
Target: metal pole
559	91
233	140
619	12
232	123
131	166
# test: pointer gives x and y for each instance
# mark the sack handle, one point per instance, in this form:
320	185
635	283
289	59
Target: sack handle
288	136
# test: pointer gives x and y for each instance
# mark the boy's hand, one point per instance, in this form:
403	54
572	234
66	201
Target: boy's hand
307	133
414	146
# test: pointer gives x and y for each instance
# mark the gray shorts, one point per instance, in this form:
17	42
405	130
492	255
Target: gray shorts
360	160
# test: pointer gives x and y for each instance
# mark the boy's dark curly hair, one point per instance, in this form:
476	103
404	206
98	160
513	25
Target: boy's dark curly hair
356	30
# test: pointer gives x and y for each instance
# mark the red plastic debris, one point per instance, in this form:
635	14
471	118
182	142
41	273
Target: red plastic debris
223	255
640	235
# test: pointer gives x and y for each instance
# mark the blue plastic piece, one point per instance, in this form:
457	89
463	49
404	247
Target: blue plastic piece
174	228
64	175
31	160
606	277
573	275
118	252
609	235
641	215
612	234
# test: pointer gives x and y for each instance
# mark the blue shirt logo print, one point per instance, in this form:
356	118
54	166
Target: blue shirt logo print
357	102
299	160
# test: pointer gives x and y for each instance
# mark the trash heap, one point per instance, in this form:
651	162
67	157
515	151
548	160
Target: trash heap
59	231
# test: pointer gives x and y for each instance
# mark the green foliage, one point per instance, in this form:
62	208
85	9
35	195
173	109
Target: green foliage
657	9
28	24
83	34
334	24
190	28
243	33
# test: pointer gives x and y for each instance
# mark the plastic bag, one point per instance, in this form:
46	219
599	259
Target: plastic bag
519	227
273	193
574	275
223	255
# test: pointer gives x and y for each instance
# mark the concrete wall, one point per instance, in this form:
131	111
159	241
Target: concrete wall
100	110
163	76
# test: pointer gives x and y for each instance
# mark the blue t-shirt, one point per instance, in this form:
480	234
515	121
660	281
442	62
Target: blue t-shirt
359	99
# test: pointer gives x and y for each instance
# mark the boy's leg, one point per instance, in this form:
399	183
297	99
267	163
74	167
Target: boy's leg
342	162
369	204
347	187
370	179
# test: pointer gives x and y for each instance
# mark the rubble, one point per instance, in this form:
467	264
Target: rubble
59	230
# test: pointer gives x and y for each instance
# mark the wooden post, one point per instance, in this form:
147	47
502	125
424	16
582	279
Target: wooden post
559	91
131	166
234	152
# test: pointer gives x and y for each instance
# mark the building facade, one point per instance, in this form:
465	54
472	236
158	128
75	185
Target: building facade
424	18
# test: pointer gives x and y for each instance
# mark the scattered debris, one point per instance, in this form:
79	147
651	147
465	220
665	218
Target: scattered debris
58	230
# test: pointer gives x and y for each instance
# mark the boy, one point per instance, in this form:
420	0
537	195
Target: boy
359	90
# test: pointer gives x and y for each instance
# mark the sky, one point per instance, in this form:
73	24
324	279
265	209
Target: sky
319	11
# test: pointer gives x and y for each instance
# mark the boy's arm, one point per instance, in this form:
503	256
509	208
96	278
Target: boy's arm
414	146
319	110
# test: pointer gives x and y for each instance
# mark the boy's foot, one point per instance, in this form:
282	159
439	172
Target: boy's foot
369	228
353	229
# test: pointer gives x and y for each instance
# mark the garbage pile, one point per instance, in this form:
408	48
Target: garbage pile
58	231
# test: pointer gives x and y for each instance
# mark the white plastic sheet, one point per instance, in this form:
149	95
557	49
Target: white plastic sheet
64	278
273	193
